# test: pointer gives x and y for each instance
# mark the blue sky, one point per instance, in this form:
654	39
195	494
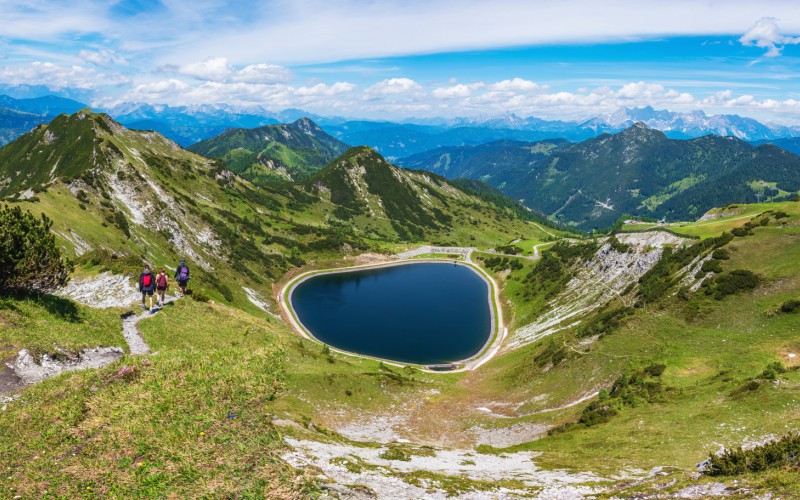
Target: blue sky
568	59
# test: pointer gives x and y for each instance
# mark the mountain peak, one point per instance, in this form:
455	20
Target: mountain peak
286	152
307	125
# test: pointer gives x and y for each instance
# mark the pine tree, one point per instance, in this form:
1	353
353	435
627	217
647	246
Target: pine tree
30	261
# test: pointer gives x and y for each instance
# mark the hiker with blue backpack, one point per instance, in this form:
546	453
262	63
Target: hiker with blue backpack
147	285
182	277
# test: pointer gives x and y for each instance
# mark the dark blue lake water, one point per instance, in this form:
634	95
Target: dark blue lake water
416	313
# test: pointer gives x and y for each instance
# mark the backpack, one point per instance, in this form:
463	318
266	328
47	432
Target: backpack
147	280
184	273
162	281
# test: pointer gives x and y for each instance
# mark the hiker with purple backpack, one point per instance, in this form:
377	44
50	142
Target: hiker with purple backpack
182	276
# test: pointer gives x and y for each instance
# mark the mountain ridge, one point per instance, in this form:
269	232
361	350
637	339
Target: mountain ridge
639	171
282	152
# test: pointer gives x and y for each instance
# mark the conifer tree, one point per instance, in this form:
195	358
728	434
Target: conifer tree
30	261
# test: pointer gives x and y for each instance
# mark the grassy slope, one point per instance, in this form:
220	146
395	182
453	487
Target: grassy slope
193	422
39	324
711	349
729	218
213	360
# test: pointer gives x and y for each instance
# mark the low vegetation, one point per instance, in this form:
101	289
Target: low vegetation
781	453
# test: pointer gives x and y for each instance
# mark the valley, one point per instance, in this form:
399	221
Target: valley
620	360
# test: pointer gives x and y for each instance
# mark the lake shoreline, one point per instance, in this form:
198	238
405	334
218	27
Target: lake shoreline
498	331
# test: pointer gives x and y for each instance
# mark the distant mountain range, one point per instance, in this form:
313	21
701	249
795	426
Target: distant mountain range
18	116
188	125
639	171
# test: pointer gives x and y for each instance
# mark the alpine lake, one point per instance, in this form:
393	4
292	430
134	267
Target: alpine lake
424	313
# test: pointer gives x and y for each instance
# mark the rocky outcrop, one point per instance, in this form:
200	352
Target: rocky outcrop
597	282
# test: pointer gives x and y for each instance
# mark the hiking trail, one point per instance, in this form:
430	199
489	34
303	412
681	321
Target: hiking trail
130	328
24	370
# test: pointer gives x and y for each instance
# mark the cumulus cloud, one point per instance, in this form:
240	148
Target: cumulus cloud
219	69
59	77
263	73
102	57
402	97
516	85
322	89
393	86
159	90
766	35
727	99
454	92
277	95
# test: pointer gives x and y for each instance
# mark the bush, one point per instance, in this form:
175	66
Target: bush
772	371
30	261
198	296
225	291
720	254
782	453
129	265
734	282
655	370
711	266
790	306
617	245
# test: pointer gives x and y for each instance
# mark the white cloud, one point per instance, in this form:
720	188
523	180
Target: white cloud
346	30
766	35
393	86
454	92
322	89
403	97
102	57
219	69
516	85
264	73
216	69
159	90
59	77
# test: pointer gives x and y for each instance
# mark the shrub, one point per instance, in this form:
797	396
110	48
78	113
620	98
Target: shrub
790	306
772	371
734	282
720	254
784	452
751	385
740	231
130	265
711	266
618	245
655	370
30	261
225	291
198	296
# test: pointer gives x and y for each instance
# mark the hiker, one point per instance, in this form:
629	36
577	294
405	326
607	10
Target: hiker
162	283
182	276
147	284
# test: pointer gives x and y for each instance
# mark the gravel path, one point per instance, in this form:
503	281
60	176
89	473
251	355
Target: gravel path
24	370
130	328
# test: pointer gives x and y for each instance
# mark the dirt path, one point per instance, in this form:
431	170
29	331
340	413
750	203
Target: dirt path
24	370
130	329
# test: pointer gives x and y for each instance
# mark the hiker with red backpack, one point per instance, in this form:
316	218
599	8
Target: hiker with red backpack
162	283
147	284
182	277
